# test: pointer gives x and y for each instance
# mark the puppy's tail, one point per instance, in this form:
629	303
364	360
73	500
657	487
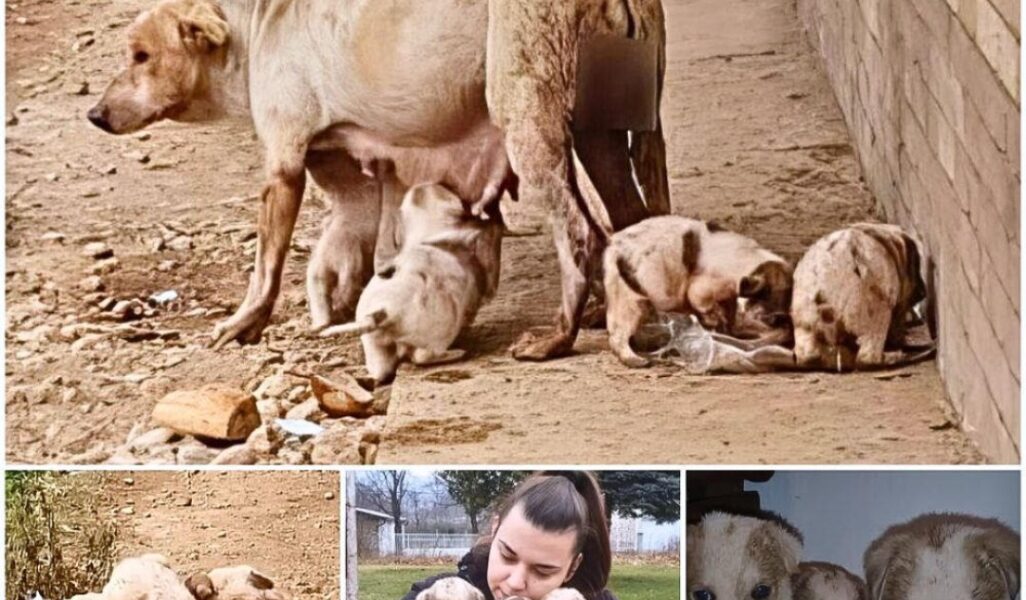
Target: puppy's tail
359	327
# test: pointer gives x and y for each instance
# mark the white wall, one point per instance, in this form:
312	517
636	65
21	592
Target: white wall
841	512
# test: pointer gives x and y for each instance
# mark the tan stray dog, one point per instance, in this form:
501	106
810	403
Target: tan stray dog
825	581
944	556
398	79
852	293
233	583
731	557
675	264
447	267
143	577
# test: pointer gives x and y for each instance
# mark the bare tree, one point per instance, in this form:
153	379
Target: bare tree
386	491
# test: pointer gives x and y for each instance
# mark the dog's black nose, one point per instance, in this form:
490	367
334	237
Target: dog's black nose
97	115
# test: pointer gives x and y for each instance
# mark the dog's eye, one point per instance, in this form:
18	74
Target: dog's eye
140	57
703	595
761	592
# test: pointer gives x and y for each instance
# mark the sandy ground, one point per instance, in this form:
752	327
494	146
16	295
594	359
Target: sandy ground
755	140
283	524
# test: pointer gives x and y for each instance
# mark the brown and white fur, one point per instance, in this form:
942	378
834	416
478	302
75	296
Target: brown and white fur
391	81
730	556
233	583
146	576
853	289
944	556
454	588
676	264
446	268
826	581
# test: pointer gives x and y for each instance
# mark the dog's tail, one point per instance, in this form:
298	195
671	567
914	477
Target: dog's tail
359	327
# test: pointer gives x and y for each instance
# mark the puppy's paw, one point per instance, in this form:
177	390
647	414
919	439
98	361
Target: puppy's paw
549	344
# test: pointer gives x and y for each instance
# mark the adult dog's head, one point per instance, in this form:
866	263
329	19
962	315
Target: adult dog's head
171	50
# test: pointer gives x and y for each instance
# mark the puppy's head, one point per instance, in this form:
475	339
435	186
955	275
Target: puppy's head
232	583
451	588
824	581
944	556
732	557
170	51
764	300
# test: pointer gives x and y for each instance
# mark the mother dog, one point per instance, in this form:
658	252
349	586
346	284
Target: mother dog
401	79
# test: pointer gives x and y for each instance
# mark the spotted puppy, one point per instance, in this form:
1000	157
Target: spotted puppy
731	557
944	556
146	576
825	581
675	264
852	292
446	268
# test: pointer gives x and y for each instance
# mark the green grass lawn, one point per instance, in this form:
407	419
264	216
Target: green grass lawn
628	582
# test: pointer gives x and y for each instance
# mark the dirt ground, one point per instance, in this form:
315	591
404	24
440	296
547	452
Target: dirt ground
755	140
283	524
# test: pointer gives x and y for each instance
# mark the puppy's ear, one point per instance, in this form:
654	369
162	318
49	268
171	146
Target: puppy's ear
201	587
914	268
259	580
772	541
996	554
203	28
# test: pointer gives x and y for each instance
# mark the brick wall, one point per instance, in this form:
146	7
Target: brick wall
930	92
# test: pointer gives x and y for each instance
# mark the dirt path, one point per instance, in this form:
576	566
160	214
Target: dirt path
755	140
284	524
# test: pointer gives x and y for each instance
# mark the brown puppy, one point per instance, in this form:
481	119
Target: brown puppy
944	556
825	581
675	264
852	292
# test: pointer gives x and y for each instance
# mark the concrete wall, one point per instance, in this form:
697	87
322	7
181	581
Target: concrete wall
930	92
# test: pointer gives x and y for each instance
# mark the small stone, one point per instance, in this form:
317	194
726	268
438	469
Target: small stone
155	437
144	136
105	266
92	283
128	481
180	243
184	502
196	454
329	495
128	510
266	439
166	265
338	445
274	386
241	454
109	170
156	245
309	410
97	250
53	236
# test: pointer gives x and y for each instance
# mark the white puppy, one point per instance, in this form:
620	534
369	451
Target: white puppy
148	577
233	583
446	268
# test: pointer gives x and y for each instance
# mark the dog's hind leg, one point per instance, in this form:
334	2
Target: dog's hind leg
342	262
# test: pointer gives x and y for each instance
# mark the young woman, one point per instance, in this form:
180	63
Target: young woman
549	533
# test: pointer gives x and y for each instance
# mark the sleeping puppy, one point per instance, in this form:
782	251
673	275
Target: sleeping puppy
446	269
825	581
852	292
675	264
233	583
731	557
147	576
944	556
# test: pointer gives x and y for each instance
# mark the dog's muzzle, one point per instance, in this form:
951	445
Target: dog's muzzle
98	116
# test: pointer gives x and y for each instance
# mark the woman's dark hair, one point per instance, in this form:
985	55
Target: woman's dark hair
559	501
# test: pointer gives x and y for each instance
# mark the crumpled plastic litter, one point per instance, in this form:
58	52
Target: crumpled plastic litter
681	340
299	427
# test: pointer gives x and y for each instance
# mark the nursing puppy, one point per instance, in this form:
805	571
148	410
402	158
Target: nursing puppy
675	264
147	576
454	588
733	557
446	268
852	292
944	556
825	581
233	583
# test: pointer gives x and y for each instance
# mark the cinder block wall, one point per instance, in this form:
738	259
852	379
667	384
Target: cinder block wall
930	92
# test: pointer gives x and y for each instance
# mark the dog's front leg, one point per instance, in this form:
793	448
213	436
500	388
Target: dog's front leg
279	207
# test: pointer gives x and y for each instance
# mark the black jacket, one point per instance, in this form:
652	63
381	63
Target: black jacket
473	568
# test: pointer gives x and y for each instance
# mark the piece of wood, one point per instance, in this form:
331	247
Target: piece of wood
213	411
345	396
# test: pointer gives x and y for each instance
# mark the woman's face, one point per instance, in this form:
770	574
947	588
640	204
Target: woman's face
527	561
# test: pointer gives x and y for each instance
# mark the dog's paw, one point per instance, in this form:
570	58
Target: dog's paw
551	343
245	326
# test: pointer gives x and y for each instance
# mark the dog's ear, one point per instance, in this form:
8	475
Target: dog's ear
201	587
996	554
914	268
203	27
259	580
775	543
